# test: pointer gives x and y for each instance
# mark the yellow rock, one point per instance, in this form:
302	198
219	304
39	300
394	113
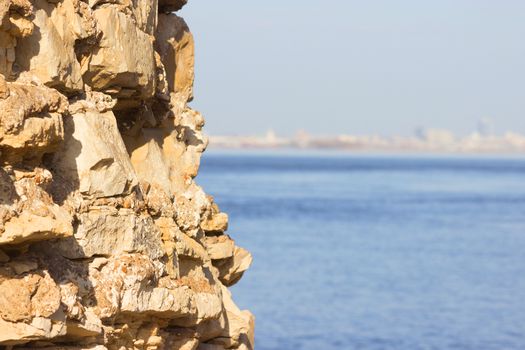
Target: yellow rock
106	240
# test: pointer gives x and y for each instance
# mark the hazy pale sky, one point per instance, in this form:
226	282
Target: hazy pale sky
358	67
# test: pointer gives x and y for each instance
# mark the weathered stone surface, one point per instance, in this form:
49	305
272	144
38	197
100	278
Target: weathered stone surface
30	121
29	227
189	247
240	324
124	64
174	42
49	52
39	329
25	297
189	209
106	240
216	223
27	212
219	247
128	284
148	159
15	23
231	269
173	150
94	156
29	304
143	12
107	231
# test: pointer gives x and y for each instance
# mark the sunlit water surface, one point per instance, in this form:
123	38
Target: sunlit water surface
377	252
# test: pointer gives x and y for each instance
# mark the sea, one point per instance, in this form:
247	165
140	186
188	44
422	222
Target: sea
371	251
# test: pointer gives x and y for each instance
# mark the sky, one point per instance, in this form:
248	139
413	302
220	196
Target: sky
358	67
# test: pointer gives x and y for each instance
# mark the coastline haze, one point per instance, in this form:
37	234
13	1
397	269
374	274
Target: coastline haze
350	67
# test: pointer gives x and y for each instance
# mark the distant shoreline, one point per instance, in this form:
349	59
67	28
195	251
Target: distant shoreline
426	142
211	149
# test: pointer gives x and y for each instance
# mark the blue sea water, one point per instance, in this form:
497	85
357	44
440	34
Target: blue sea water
377	252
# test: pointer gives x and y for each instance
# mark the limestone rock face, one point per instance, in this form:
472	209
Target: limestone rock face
27	211
15	23
94	155
124	63
174	43
49	52
31	122
106	241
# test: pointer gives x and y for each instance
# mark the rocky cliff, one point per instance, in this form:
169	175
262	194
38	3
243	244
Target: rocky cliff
106	241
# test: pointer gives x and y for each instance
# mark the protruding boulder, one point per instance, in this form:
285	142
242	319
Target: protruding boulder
215	223
27	212
174	42
49	52
94	156
129	284
232	330
30	121
239	329
29	306
107	231
219	247
231	269
40	328
123	65
148	158
144	12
